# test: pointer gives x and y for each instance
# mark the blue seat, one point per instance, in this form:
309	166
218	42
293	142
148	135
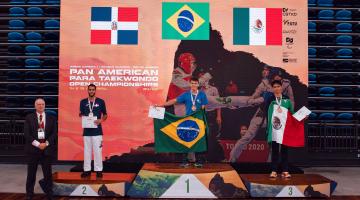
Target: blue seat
327	40
343	3
13	89
50	63
15	63
29	102
344	53
345	79
33	37
35	2
327	91
15	50
326	14
50	76
344	40
51	37
51	101
326	78
49	89
313	116
312	91
51	112
52	1
312	52
326	104
32	50
343	15
13	76
51	24
17	1
31	89
327	116
32	76
16	24
325	3
326	27
51	50
34	12
326	53
344	27
16	12
344	116
32	63
326	65
15	37
344	104
13	102
52	11
312	3
345	65
311	26
312	78
344	92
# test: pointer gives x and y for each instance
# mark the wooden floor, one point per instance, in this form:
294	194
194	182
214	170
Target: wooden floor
8	196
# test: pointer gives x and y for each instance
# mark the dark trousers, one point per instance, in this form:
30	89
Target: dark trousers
277	149
33	162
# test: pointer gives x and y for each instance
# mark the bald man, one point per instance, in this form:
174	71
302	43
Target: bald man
40	132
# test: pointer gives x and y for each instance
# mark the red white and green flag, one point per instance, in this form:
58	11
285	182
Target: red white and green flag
257	26
283	127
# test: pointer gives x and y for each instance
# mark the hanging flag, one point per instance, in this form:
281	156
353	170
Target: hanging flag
181	134
114	25
257	26
283	127
185	21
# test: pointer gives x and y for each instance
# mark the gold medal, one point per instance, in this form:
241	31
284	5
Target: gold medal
193	108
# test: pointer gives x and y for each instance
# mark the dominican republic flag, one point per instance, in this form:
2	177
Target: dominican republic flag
257	26
283	127
114	25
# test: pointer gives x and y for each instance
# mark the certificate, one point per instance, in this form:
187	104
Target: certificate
302	113
88	122
156	112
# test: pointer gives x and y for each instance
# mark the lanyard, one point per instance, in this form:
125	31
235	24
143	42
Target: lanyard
91	107
193	99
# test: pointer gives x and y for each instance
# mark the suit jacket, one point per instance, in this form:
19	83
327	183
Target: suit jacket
31	130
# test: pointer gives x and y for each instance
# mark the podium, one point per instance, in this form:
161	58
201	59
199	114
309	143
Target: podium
299	185
169	180
110	185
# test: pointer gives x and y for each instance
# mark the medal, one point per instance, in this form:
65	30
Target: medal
91	114
193	108
193	100
279	110
91	107
278	102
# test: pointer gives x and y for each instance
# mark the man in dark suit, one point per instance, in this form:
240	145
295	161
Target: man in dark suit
40	132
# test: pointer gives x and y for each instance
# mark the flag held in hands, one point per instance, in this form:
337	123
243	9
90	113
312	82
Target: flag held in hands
181	134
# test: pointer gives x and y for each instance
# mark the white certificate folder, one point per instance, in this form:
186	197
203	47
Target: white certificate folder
156	112
302	113
88	122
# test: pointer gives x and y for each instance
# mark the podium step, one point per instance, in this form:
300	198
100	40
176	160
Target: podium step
111	184
299	185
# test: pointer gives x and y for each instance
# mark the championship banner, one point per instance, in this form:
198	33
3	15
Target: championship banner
140	53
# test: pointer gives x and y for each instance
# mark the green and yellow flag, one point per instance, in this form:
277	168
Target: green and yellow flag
181	134
185	21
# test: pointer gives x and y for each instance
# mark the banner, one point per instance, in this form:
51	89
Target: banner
140	53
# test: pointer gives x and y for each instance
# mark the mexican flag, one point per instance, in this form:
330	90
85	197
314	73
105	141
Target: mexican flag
283	128
257	26
181	134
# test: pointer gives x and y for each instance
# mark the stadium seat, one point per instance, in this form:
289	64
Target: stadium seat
11	113
312	104
356	53
326	65
344	40
312	65
357	91
344	53
326	78
356	28
327	116
344	104
15	50
49	89
34	24
311	3
325	3
16	12
50	63
51	37
33	37
356	15
17	2
343	15
51	24
311	26
312	52
29	102
13	76
51	50
313	40
13	102
326	53
343	3
312	14
15	37
50	76
312	91
344	27
312	78
345	65
32	76
31	89
327	40
35	2
326	14
16	24
32	63
345	79
15	63
52	1
344	92
326	104
313	116
32	50
34	12
326	27
52	11
327	91
13	89
344	116
356	40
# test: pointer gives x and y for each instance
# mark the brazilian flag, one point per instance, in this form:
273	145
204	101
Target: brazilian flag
181	134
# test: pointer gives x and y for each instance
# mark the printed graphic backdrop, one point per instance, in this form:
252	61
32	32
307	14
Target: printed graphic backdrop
133	65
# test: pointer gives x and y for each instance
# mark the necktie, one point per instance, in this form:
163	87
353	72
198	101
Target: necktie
41	124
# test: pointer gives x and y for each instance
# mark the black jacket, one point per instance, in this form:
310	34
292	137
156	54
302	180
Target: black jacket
30	132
